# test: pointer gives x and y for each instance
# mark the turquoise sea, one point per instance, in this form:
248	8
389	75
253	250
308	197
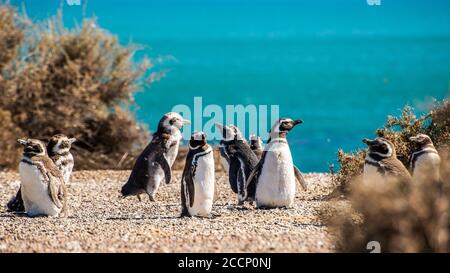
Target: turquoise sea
341	66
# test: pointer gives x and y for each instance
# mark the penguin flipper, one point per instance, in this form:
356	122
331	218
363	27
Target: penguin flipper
190	186
162	161
56	191
299	177
16	203
184	210
241	182
234	174
252	179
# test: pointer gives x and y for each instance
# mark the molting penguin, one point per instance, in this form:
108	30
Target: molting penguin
42	185
241	160
274	178
424	161
155	162
256	145
58	149
381	162
197	184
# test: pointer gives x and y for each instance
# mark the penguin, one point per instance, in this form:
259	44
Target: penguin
155	162
197	184
273	180
241	160
381	162
42	186
256	145
424	162
58	149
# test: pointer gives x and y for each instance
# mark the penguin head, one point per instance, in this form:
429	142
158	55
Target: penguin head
380	146
198	139
32	147
230	132
59	144
283	126
172	121
255	141
421	140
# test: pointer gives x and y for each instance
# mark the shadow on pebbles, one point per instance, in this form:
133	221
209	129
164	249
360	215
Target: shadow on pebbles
101	221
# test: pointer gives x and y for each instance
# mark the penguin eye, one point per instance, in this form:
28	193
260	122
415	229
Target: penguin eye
172	121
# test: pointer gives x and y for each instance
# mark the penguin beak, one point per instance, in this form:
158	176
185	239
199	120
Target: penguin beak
368	141
414	139
297	122
186	122
219	126
22	142
72	140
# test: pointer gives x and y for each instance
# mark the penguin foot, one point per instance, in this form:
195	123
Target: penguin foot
152	198
185	214
139	197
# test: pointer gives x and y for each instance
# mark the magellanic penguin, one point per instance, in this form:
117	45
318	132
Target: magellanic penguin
256	145
381	162
273	181
197	184
241	160
42	185
424	161
58	149
155	162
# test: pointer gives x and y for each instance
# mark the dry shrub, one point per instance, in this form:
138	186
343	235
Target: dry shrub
79	82
412	219
11	34
436	124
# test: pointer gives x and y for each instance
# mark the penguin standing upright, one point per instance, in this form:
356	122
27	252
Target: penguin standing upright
58	149
381	162
273	180
256	145
42	185
424	161
241	160
155	162
197	184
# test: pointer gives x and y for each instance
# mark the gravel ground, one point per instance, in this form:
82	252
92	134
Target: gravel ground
100	221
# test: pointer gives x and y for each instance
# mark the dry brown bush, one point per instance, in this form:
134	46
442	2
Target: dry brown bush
79	82
415	219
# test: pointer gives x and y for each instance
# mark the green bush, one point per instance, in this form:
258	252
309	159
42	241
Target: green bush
79	82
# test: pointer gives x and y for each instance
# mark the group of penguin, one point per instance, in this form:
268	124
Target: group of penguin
265	176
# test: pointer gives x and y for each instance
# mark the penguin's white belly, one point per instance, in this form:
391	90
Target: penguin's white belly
203	186
173	150
427	168
155	180
276	184
371	174
35	193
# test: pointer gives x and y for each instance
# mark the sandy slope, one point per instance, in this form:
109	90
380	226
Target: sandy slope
100	221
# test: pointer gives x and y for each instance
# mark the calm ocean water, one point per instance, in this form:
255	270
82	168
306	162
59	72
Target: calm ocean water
341	66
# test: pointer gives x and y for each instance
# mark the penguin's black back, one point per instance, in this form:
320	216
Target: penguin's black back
240	150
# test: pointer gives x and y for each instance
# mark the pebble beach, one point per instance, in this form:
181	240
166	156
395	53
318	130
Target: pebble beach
101	221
